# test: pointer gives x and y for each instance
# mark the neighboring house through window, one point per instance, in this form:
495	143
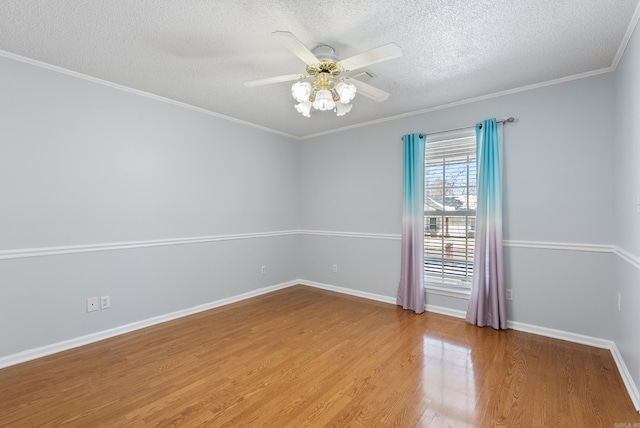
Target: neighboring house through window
450	209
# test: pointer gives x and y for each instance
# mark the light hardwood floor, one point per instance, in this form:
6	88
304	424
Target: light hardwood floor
306	357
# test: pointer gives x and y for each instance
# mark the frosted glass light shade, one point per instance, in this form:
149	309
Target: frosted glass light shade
304	108
346	91
324	100
301	91
342	109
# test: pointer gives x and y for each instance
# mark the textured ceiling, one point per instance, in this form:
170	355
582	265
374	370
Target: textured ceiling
201	52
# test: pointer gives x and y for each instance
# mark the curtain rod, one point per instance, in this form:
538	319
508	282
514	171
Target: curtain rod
507	120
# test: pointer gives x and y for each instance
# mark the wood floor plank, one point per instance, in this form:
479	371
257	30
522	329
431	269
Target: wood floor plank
307	357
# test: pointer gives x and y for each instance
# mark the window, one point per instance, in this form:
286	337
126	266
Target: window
450	209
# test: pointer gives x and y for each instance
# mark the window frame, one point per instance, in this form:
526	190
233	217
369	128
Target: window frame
434	287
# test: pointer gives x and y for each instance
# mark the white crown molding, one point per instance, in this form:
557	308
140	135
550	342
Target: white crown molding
54	348
627	36
72	249
466	101
334	130
117	86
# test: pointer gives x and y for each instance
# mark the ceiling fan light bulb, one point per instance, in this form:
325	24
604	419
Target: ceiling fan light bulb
324	100
301	91
342	109
346	92
304	108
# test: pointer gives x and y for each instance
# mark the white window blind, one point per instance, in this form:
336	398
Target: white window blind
450	210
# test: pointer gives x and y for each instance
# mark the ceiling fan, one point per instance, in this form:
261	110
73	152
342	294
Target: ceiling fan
327	84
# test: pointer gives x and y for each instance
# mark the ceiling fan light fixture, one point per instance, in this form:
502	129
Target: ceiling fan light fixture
324	100
322	87
346	92
301	91
304	108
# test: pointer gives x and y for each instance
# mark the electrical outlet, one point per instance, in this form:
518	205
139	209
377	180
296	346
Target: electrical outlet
335	268
92	304
105	302
263	269
509	293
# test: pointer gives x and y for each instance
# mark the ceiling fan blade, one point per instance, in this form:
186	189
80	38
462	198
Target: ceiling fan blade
382	53
369	91
296	46
276	79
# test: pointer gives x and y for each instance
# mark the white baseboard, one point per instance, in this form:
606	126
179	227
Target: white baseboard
632	389
43	351
626	376
519	326
560	334
569	337
534	329
349	291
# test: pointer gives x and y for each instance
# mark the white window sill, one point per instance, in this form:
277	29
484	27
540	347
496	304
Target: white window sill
458	293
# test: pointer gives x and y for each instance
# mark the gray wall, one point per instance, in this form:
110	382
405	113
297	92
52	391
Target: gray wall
627	192
572	183
559	178
86	164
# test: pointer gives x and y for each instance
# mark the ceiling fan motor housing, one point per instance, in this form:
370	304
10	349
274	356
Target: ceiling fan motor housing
325	52
325	66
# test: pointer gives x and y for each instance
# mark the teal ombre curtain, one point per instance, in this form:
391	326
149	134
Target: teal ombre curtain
487	303
411	289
